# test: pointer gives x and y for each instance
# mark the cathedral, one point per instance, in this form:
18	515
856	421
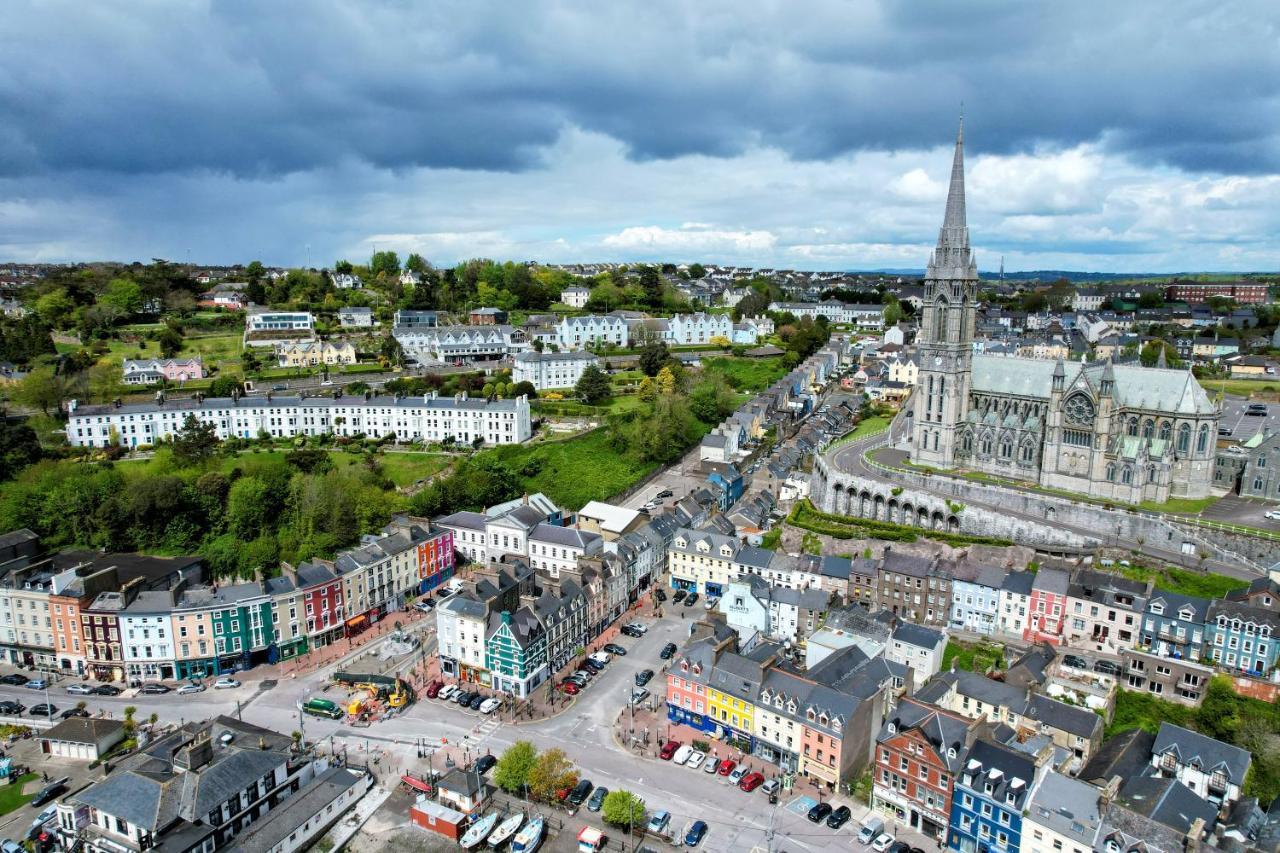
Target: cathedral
1120	432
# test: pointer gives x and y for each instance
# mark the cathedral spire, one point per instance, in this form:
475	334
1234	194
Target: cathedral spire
955	230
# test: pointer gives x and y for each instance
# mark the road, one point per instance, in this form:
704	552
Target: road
738	821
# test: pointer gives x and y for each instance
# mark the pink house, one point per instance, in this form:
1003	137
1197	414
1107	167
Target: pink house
1047	608
150	371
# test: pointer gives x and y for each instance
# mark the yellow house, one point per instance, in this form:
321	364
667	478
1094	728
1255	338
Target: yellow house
904	370
729	711
311	353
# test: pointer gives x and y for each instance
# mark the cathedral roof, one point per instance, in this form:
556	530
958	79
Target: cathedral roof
1136	387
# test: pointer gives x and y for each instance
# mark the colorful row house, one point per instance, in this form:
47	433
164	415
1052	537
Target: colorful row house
1243	638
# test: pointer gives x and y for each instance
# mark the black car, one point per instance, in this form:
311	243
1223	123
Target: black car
591	666
484	764
50	792
154	688
106	690
596	803
464	697
899	847
678	596
43	710
12	709
660	595
668	651
615	649
819	813
14	678
476	701
839	817
631	632
74	712
691	599
1107	667
1075	662
643	676
665	493
580	792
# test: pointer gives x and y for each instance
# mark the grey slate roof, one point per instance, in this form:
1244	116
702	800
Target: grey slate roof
918	635
1194	748
286	818
1018	583
1125	754
1168	801
1068	807
568	537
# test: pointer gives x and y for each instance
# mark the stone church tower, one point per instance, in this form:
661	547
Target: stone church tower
945	343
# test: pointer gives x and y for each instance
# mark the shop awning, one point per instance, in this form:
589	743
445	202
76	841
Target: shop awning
357	621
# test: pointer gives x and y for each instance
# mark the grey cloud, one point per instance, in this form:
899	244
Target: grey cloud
265	89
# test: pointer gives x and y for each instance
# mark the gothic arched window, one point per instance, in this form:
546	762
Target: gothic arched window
1111	472
1079	409
1151	473
1184	438
936	435
966	442
1166	431
1132	427
1006	448
986	445
1028	452
940	321
1148	428
1202	443
1126	475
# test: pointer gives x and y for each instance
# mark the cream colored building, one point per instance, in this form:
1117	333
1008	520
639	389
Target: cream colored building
1063	816
312	353
904	370
701	561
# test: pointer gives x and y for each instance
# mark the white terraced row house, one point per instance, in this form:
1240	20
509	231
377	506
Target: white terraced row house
427	344
552	369
428	418
576	333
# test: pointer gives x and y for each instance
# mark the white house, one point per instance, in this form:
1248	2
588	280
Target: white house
356	317
1214	770
575	297
461	623
1015	603
918	647
552	369
699	328
82	738
574	333
264	326
146	637
434	344
345	281
553	548
429	418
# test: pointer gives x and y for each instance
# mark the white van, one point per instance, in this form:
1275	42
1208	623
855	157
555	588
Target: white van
601	658
682	754
871	827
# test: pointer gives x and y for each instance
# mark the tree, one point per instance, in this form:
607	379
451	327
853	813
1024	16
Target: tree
225	386
593	386
652	284
524	388
123	295
1151	354
19	447
255	271
512	771
386	263
720	341
195	442
647	391
180	302
103	381
170	342
417	263
665	381
55	308
343	267
697	271
623	808
653	357
712	399
892	310
551	774
43	389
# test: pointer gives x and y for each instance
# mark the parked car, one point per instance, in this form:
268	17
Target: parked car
638	626
463	697
484	764
678	595
446	692
736	774
225	684
36	684
11	846
882	842
711	766
600	658
74	712
750	782
476	701
568	688
615	649
638	695
660	594
668	749
11	708
691	600
682	754
1075	662
597	799
839	817
899	847
697	831
37	825
490	705
630	632
658	822
668	651
154	688
108	690
14	678
771	787
43	710
580	792
433	689
1273	514
819	812
578	679
695	760
727	766
871	827
50	791
592	666
79	690
1108	667
711	603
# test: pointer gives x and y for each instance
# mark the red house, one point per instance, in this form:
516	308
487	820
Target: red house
1047	608
435	559
438	818
322	599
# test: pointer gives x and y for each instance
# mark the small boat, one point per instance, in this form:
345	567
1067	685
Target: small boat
506	829
479	831
529	838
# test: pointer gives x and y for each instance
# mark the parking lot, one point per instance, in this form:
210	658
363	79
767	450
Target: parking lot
1239	426
1234	509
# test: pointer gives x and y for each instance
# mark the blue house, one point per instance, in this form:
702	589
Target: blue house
725	483
1173	625
990	794
1243	638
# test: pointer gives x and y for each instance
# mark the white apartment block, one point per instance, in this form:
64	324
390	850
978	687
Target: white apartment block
429	418
576	333
575	297
699	328
262	325
552	369
436	344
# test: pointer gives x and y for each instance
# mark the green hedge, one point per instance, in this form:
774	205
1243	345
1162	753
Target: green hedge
806	516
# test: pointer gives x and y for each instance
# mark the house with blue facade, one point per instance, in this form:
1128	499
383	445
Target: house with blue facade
1173	625
975	597
725	483
991	793
1243	638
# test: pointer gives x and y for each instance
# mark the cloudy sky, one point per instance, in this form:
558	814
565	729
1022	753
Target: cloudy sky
1115	136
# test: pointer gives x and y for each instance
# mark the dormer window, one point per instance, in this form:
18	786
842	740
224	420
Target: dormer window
811	715
1157	608
777	701
791	707
697	669
1186	614
684	665
824	719
765	696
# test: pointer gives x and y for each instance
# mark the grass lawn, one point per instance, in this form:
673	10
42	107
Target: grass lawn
747	374
870	425
1184	582
572	408
1140	710
1187	506
11	796
575	470
1242	387
405	469
975	657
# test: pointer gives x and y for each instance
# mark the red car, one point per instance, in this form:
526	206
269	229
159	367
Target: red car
669	749
569	688
751	781
726	767
433	689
